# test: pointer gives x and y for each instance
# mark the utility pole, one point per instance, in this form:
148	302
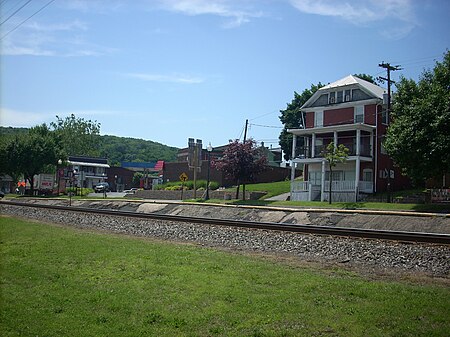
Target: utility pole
245	130
245	139
388	68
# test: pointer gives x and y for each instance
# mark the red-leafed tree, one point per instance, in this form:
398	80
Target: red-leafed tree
242	162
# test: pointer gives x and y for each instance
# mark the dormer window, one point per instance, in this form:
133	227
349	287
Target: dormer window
347	96
332	98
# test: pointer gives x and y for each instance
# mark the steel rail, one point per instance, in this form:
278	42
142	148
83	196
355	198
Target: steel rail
298	228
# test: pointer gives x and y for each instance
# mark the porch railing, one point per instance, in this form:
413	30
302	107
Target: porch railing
336	186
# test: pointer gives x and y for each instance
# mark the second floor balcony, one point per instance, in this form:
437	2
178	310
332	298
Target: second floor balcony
304	152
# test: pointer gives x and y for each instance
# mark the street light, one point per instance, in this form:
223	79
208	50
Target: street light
104	187
58	173
209	149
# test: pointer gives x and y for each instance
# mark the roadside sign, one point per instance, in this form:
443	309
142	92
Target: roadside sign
183	177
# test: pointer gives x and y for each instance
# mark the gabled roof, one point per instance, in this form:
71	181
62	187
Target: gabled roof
350	80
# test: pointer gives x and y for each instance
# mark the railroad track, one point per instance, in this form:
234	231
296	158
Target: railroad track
299	228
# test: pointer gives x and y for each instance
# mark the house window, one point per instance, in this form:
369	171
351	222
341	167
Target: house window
318	118
337	175
339	97
332	98
367	175
315	178
359	114
347	96
382	148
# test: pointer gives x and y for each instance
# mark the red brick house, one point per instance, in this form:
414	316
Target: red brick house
351	112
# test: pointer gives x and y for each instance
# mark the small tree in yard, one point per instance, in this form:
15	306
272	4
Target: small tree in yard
334	155
242	162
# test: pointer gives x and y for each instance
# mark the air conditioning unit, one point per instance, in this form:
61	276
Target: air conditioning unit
347	98
332	100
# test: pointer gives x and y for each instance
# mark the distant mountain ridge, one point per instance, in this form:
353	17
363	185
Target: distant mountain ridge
117	149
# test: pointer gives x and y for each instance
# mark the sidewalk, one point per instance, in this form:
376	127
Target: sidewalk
280	197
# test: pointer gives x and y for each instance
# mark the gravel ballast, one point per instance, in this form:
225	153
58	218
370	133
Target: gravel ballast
376	255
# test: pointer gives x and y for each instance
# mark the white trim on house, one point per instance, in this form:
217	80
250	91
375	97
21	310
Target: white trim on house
332	128
348	82
79	163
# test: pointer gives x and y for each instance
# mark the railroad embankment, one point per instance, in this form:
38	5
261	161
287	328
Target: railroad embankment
379	220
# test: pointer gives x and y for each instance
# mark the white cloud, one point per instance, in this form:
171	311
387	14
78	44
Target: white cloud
175	78
15	118
68	26
96	6
59	39
399	13
233	11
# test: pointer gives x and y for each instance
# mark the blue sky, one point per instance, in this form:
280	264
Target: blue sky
167	70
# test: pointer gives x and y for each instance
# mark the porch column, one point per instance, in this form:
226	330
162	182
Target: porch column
335	134
371	144
358	142
294	145
313	146
357	173
322	187
307	148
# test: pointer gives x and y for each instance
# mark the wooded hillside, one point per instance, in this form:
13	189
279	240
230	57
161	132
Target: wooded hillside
118	149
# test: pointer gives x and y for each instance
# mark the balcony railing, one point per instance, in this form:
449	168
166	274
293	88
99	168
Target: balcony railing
305	152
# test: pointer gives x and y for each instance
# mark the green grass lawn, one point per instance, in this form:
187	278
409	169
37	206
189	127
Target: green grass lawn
272	189
440	208
59	281
281	187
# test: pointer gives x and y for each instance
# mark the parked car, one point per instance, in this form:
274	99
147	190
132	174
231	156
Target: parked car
102	187
131	190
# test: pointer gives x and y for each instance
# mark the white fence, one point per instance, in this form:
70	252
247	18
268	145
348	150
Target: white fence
342	190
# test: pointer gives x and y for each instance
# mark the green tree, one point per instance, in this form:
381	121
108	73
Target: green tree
292	118
77	136
366	77
10	151
334	155
418	138
32	153
137	176
242	162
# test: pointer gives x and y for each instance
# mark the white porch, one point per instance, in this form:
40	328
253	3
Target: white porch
341	191
349	180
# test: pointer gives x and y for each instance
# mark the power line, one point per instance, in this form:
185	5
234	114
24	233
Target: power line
242	131
267	126
268	113
9	17
4	12
418	59
20	24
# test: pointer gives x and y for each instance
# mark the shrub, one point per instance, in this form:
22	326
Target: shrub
79	191
188	185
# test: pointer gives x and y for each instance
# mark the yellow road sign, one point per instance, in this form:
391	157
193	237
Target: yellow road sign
183	177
